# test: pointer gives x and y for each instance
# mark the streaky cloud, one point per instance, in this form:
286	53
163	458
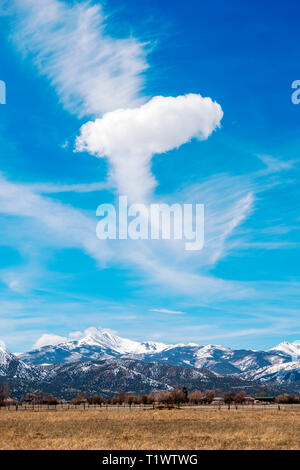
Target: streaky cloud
92	72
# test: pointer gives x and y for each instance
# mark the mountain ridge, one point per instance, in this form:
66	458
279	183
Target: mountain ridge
103	345
104	363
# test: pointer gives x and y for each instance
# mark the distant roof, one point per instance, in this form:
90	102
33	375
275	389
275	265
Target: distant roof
260	398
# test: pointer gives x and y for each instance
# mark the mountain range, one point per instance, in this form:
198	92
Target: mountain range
102	362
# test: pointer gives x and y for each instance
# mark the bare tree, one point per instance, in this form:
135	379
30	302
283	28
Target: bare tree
228	398
196	397
121	398
144	400
177	397
151	399
79	399
209	396
45	399
287	399
163	398
4	392
95	400
130	400
240	398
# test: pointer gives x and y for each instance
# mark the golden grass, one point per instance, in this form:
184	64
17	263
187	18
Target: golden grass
151	429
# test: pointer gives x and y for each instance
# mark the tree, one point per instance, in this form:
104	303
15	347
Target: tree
228	398
95	400
79	399
151	399
130	399
45	399
28	398
196	397
240	398
4	392
144	400
184	390
287	399
177	397
121	398
163	398
209	396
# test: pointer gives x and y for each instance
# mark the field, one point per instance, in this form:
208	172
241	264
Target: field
202	428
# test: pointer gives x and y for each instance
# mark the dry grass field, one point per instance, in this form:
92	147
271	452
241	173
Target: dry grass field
151	429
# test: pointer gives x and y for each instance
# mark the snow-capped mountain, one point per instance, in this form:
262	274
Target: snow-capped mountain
291	349
103	344
107	340
286	373
96	345
218	358
15	369
101	362
110	376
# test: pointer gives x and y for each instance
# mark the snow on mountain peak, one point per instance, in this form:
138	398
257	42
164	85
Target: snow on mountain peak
291	349
3	353
211	348
2	356
109	340
5	356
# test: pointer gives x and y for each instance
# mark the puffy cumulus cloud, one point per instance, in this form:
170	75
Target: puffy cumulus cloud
130	137
48	340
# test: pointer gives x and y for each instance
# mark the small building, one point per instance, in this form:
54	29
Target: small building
265	399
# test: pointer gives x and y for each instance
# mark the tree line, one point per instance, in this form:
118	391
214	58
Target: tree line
175	397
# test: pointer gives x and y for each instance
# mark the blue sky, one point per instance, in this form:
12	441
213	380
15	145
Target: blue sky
67	63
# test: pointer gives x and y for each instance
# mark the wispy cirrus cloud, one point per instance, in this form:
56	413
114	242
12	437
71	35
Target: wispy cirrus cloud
42	222
275	165
54	188
167	311
93	75
62	224
92	72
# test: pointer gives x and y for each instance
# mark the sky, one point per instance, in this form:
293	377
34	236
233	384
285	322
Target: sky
164	102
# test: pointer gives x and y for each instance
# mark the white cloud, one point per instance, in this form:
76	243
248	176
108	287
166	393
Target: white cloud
91	71
165	310
52	188
14	285
51	223
130	137
52	339
48	340
275	165
43	223
76	335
